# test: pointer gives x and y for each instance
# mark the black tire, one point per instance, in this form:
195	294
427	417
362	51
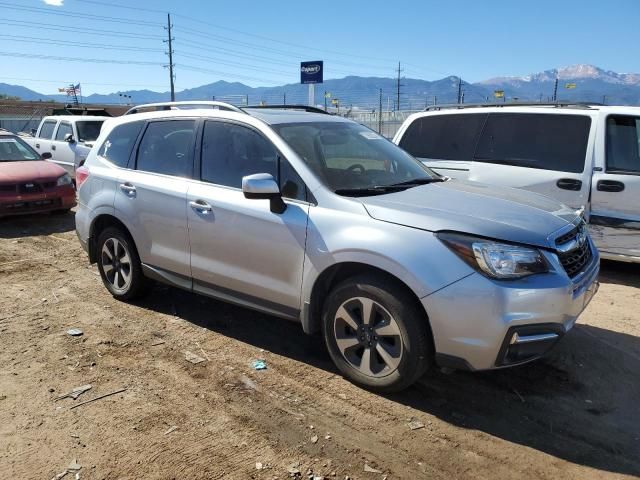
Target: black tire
416	352
138	284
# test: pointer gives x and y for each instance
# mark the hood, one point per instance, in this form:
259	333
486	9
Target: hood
490	211
16	172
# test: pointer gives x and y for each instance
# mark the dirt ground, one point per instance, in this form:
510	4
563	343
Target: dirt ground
574	415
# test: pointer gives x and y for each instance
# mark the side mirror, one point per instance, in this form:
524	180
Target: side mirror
45	155
34	131
264	186
69	138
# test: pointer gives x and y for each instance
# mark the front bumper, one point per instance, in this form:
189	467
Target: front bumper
60	198
480	324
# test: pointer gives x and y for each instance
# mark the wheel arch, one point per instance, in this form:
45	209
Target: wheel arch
101	222
336	273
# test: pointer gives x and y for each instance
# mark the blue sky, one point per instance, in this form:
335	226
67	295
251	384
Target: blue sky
262	42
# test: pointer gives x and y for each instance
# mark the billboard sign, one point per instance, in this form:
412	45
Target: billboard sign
311	72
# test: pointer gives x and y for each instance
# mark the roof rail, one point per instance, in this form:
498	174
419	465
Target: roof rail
305	108
585	105
181	105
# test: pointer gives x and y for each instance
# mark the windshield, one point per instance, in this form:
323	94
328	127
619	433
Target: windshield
351	159
88	131
13	149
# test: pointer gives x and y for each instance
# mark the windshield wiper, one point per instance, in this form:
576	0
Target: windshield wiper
366	191
418	181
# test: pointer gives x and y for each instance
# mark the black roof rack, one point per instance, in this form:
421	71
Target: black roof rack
585	105
304	108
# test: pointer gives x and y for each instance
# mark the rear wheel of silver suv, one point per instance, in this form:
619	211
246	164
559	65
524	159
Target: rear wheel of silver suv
119	265
376	334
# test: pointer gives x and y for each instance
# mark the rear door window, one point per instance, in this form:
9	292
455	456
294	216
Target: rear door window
118	145
167	148
63	129
46	131
623	144
444	137
544	141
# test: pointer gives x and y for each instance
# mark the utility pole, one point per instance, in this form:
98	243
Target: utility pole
325	101
169	40
398	86
380	112
459	90
555	91
462	98
604	99
284	98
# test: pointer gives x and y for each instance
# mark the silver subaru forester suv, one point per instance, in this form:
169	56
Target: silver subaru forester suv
317	219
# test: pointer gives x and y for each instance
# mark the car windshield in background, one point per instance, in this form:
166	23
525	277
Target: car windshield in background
352	160
89	131
12	149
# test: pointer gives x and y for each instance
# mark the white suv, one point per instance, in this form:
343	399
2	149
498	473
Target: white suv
319	220
586	156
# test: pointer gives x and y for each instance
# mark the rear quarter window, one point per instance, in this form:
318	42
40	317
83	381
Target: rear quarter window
118	145
444	137
543	141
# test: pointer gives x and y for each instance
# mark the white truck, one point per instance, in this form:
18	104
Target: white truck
586	156
68	138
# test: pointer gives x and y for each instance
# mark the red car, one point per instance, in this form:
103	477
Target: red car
28	183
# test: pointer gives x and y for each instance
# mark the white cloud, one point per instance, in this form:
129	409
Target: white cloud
55	3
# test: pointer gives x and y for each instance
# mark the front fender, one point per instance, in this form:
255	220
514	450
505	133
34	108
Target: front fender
416	257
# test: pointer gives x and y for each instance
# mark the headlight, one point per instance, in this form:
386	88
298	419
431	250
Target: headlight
494	259
64	180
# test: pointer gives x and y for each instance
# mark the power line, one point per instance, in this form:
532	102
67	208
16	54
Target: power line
84	82
76	59
100	18
52	41
86	31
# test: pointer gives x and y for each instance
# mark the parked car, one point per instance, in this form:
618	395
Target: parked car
317	219
68	138
28	183
587	157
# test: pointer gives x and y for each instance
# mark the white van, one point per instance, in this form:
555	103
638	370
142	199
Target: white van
583	155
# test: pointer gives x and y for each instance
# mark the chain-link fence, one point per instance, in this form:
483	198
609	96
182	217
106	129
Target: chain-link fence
22	117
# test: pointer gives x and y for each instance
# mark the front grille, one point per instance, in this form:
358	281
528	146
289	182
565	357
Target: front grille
49	185
580	255
30	187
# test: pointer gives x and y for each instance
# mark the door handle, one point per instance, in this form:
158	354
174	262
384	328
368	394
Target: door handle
569	184
128	188
201	206
53	147
37	145
610	186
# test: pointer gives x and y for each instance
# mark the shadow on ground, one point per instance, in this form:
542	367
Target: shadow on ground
620	273
36	224
580	404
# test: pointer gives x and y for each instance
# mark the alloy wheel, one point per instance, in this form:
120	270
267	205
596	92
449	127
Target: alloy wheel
368	337
116	264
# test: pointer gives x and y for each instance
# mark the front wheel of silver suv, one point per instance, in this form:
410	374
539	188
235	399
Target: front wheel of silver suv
376	334
119	265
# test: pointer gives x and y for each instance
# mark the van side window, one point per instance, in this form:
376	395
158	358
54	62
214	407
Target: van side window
46	131
230	152
534	140
118	145
167	148
444	137
623	144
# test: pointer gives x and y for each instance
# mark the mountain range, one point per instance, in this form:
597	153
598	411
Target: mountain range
586	83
